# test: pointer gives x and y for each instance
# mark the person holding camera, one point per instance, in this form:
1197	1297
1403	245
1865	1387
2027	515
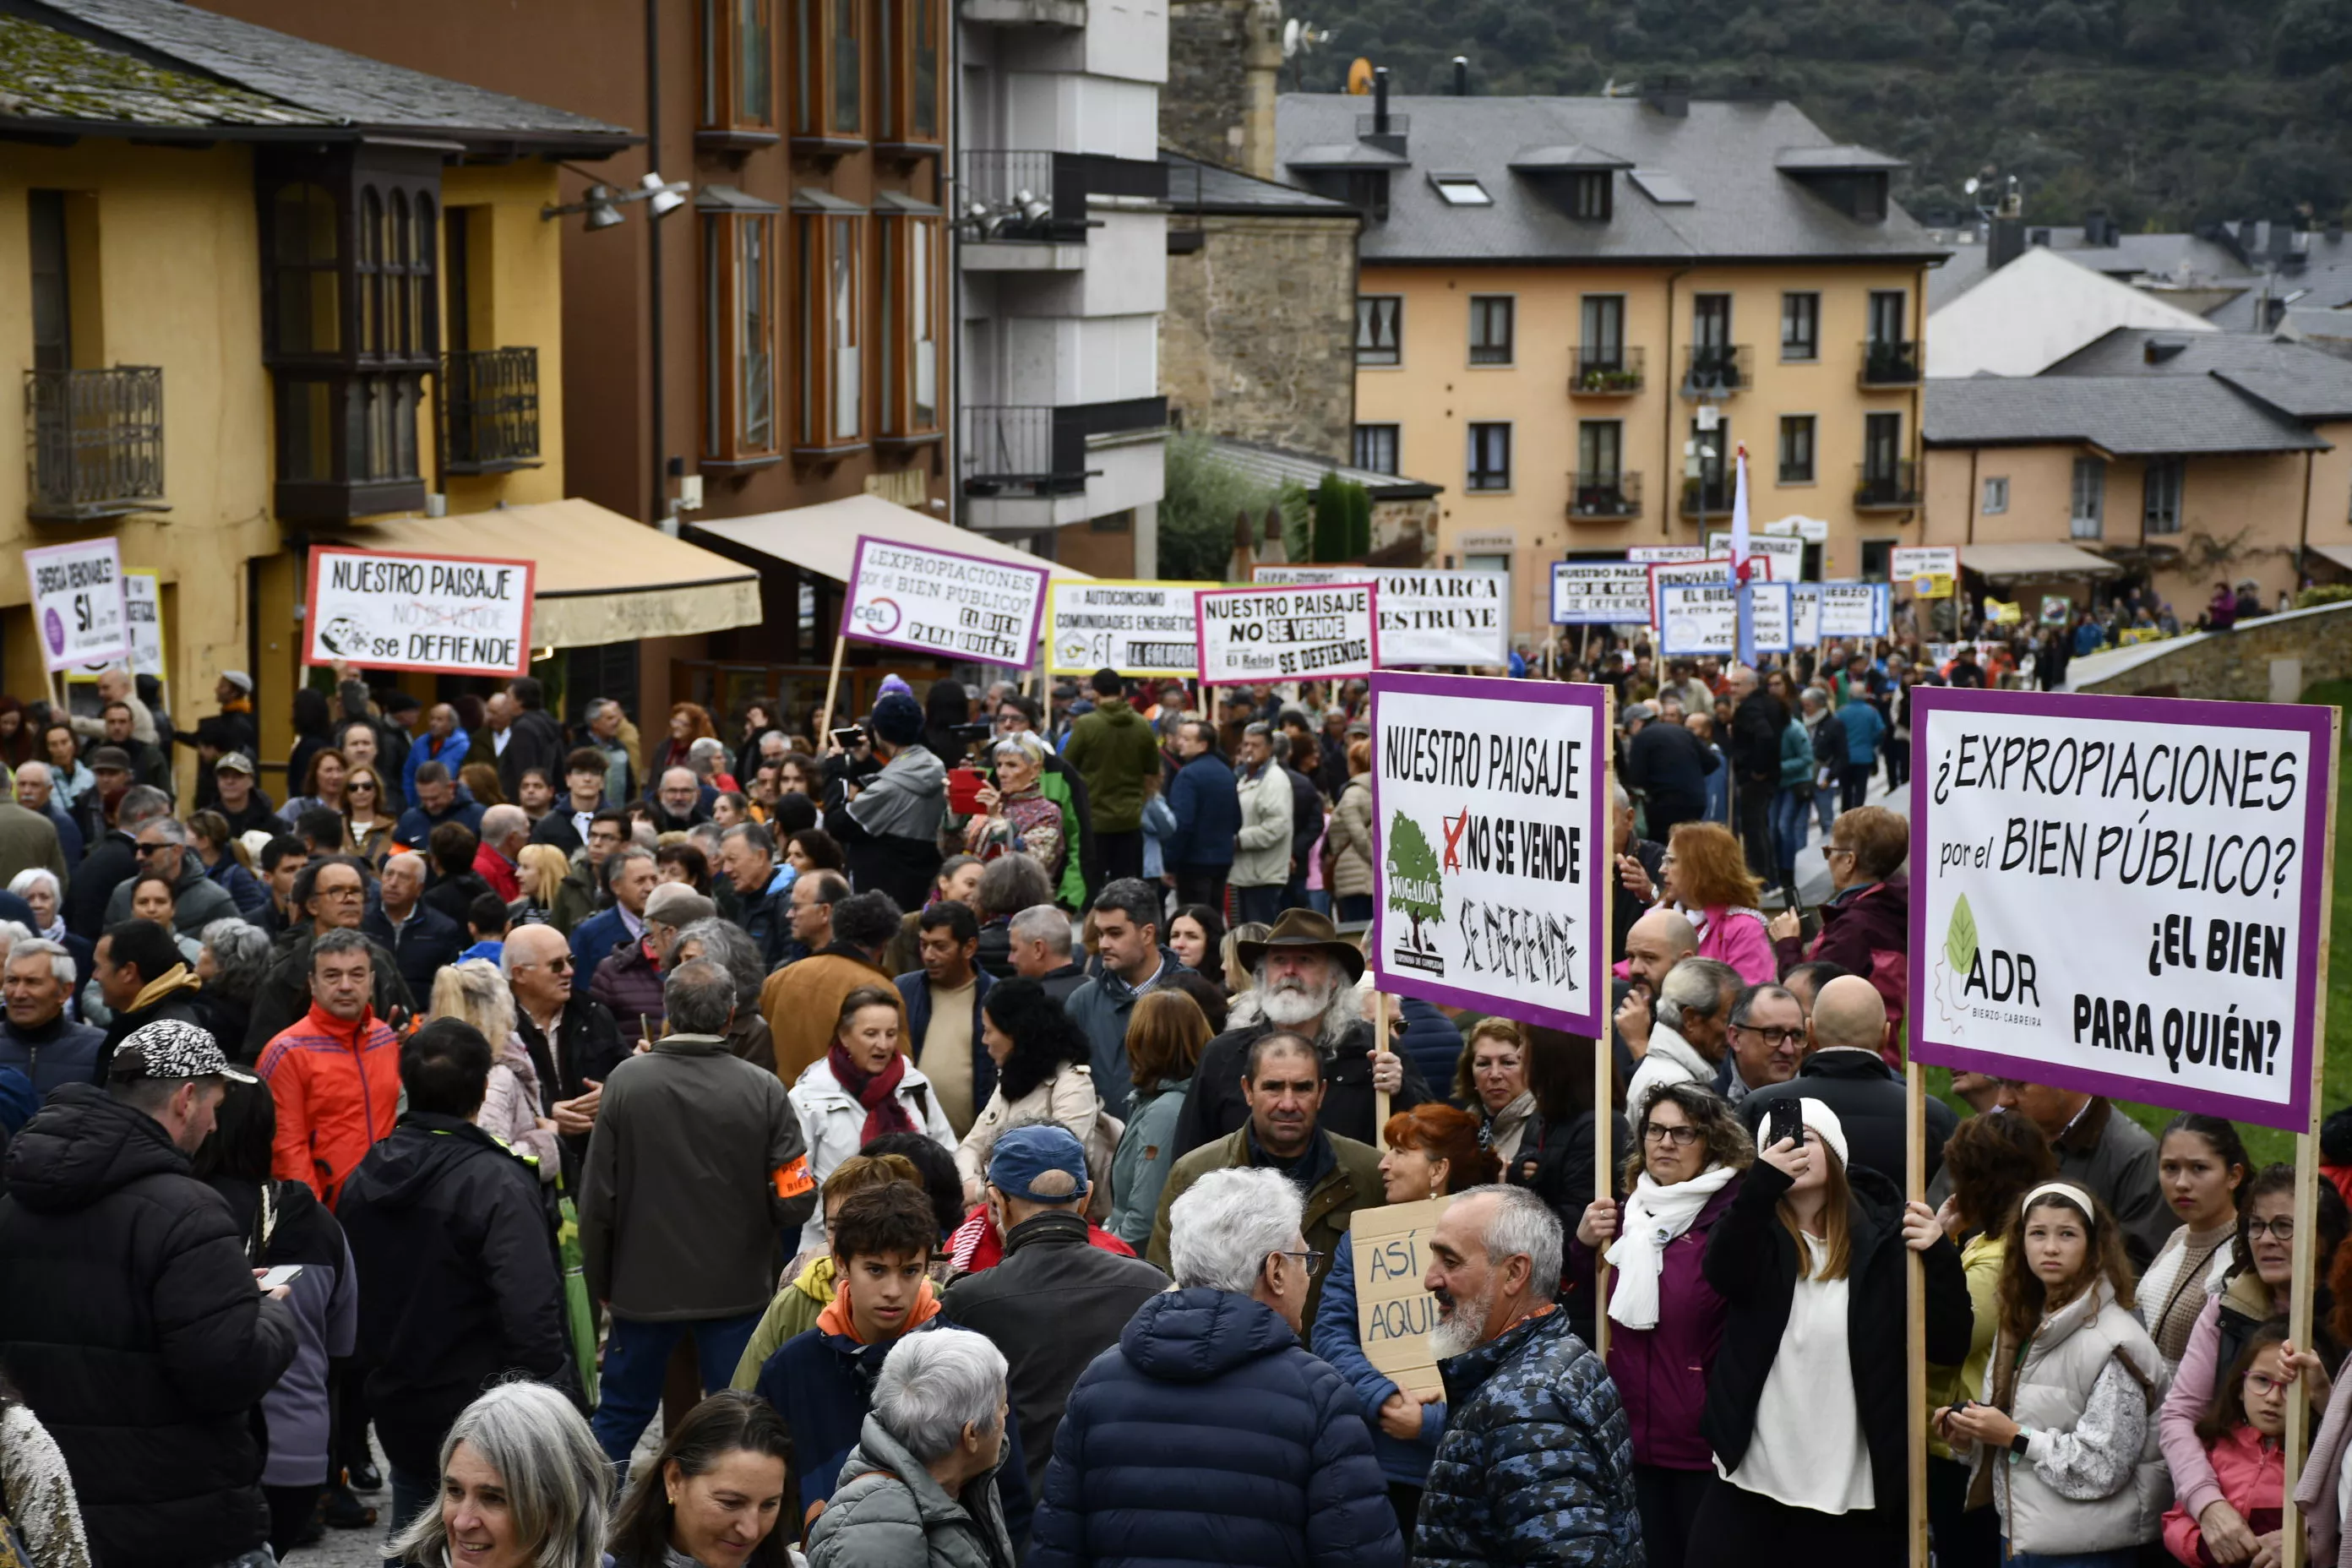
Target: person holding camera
888	821
1014	813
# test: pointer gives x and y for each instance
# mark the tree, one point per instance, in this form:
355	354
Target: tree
1196	513
1412	875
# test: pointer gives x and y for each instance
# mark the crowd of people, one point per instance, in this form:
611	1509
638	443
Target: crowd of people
947	1130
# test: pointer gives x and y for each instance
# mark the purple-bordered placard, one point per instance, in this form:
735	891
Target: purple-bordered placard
1594	700
864	634
1201	631
2317	725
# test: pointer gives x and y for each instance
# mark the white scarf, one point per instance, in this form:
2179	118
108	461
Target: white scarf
1655	1215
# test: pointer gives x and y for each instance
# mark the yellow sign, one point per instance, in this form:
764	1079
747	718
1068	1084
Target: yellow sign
1932	585
2001	614
1393	1312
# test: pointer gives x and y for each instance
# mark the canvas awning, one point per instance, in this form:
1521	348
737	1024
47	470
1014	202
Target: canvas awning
2033	559
822	538
602	577
2341	554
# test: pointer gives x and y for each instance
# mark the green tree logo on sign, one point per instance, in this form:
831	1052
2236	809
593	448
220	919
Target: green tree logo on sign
1412	875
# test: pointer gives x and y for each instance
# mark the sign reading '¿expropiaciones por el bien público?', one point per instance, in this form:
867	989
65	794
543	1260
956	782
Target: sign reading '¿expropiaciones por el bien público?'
2121	894
1489	845
943	602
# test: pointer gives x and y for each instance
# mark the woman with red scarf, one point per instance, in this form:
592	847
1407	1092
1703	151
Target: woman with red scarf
865	1088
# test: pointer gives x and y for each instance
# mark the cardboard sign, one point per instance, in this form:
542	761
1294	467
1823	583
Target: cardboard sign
1704	619
77	603
1600	594
459	614
1490	842
1312	632
143	606
944	603
1713	573
1933	571
1395	1312
1847	609
1665	554
1135	628
2121	894
1788	554
1455	619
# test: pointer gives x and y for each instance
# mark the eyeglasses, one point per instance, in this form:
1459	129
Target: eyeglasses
1680	1137
553	965
1774	1036
142	850
2282	1228
336	892
1830	849
2263	1384
1311	1260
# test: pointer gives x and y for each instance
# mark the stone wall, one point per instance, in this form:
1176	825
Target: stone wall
1258	339
1212	108
2268	660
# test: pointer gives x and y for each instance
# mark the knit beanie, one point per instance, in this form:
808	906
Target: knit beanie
897	720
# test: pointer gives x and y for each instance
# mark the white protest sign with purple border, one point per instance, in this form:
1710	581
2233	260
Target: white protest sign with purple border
2121	894
944	603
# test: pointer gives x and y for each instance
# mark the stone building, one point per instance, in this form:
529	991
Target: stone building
1224	58
1258	338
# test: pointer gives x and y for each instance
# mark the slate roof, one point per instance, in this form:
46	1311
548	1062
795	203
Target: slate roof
1280	464
2165	256
316	84
2130	415
49	74
2293	379
1724	152
1194	186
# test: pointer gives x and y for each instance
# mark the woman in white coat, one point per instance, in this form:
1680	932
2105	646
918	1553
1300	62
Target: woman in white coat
1042	1076
865	1088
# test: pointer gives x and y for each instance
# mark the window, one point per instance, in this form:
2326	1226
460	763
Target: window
1713	482
1800	326
1600	451
2161	502
1878	559
305	269
1490	457
1461	191
738	304
828	70
738	51
1882	444
1797	448
1889	309
1995	498
1588	194
52	302
906	84
2087	515
1380	323
1711	322
1490	328
913	324
1376	448
832	326
1602	321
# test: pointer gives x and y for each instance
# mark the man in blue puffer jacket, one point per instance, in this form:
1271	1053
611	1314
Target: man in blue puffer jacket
1209	1434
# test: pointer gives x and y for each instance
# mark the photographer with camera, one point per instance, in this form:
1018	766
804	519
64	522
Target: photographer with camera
888	821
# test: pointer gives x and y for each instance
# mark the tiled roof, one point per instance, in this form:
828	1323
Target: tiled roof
1279	464
2290	378
49	74
2132	416
1725	152
1197	187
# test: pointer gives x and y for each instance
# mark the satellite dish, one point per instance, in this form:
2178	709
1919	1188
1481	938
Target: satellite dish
1359	77
1290	38
1969	185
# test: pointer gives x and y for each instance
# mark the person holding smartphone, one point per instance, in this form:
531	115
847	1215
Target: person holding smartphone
1806	1410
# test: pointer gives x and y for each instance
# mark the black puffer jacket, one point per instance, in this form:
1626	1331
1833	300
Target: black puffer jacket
130	1322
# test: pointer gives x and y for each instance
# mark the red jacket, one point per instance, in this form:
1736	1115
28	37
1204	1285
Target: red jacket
2252	1472
498	871
337	1090
977	1243
1867	931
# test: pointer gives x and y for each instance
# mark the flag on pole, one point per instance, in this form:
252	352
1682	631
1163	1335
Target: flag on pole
1741	563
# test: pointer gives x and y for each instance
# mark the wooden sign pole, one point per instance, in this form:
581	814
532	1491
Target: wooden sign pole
2300	1419
1380	1042
832	685
1604	1117
1915	1295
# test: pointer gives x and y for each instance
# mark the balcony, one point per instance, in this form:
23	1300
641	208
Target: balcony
1011	450
1040	198
1025	12
1717	370
1711	494
1605	370
1890	362
93	443
1604	497
1886	487
489	411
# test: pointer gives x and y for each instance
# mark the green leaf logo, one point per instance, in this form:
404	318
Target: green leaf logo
1961	938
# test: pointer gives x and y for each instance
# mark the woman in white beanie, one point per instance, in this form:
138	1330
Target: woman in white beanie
1807	1410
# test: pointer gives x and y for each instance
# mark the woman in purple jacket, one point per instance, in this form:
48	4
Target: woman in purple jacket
1664	1319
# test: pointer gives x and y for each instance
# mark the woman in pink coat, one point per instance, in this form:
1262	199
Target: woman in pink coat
2241	1435
1705	876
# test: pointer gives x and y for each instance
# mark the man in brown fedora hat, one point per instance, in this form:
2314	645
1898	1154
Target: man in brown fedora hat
1305	979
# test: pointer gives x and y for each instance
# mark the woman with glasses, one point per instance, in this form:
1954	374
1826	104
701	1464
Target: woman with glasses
1492	1080
2243	1434
1665	1320
2257	1287
367	817
2062	1436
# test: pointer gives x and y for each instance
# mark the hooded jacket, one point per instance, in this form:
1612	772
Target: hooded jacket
450	1234
196	900
337	1085
890	1512
132	1325
792	1313
1210	1434
1114	749
889	833
285	994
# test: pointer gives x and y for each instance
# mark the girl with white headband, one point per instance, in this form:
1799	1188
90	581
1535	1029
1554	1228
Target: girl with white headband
2064	1439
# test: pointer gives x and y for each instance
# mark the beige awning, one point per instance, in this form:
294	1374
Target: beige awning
2034	560
822	538
600	578
2341	554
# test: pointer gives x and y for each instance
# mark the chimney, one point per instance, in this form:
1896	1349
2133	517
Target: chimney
1379	100
2336	231
2005	244
1274	553
1462	76
2095	231
2282	240
1669	97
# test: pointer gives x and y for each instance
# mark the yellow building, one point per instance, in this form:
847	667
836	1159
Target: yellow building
1571	311
259	292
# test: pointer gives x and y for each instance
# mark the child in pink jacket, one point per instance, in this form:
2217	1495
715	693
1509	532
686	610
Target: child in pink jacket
2240	1433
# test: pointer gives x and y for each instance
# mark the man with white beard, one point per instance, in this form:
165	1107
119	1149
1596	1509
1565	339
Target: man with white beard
1304	978
1536	1463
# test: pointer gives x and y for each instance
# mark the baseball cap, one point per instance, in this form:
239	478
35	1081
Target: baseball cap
107	757
1026	1153
169	1048
233	763
239	679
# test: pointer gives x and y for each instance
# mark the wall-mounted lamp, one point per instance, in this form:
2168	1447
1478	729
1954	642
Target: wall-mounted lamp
603	205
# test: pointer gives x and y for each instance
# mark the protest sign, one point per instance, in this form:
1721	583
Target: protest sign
1491	845
1853	609
1600	594
143	608
1704	618
1395	1312
1459	619
1931	569
943	602
2121	894
1665	554
1786	553
1714	572
1310	632
77	603
2057	609
1805	614
1135	628
459	614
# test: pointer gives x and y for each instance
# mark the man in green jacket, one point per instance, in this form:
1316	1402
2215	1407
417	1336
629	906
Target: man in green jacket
1114	749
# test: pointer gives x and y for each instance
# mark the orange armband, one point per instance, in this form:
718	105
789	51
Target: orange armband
792	1180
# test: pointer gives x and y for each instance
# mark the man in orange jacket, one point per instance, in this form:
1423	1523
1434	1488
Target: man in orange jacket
335	1073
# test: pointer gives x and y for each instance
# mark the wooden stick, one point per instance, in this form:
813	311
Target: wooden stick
1604	1187
2299	1420
1914	1291
832	685
1379	1043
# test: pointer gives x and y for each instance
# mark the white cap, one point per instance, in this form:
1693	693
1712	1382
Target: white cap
1817	1115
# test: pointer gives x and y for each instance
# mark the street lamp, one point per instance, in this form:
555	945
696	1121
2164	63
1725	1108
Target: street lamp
603	205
